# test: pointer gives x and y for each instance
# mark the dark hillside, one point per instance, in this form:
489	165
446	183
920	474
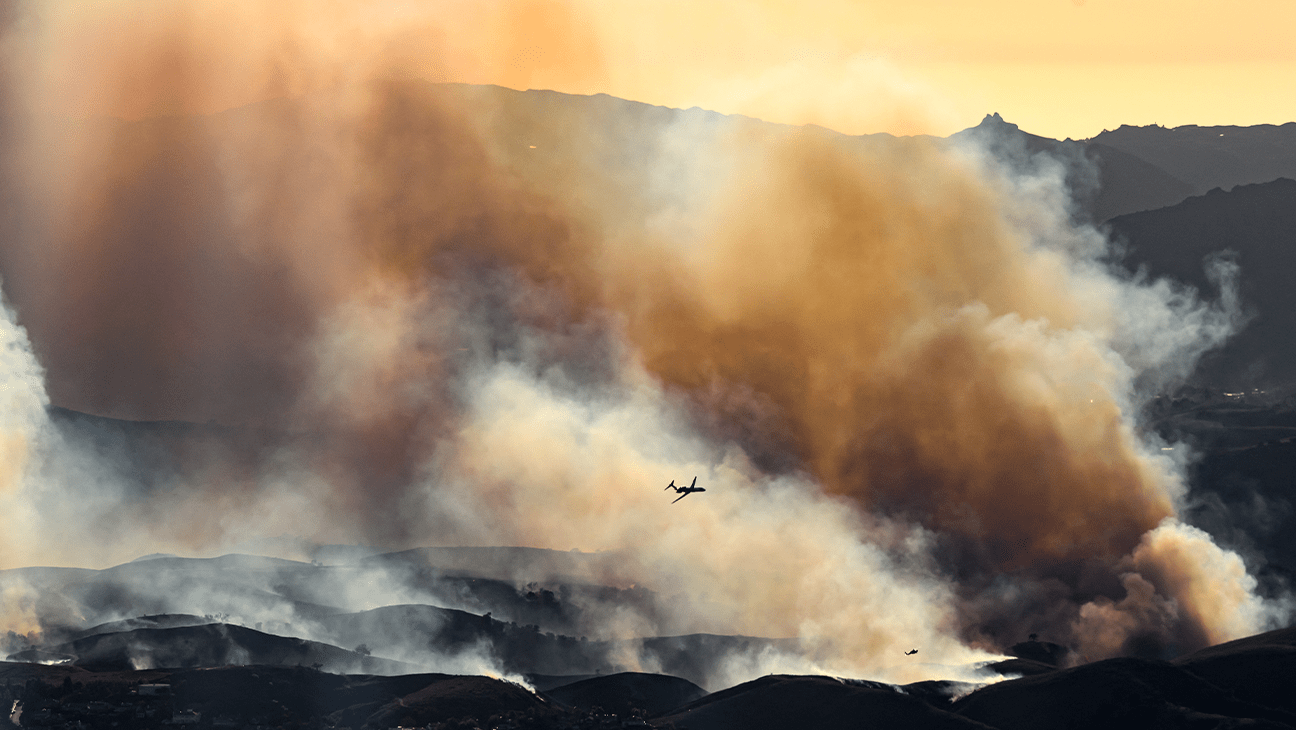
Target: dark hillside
1128	184
1104	181
1258	223
813	702
623	693
1116	693
1212	157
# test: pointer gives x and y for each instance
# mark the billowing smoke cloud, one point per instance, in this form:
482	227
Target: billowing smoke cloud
434	314
23	428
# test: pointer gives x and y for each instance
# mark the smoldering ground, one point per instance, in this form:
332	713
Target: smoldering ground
485	317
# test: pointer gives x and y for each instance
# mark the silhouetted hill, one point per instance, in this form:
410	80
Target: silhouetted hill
1211	157
1256	669
1258	223
1104	181
453	697
1115	693
1128	184
1279	638
780	701
1243	683
626	692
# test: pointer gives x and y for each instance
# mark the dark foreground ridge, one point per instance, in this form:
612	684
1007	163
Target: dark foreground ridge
1244	683
307	664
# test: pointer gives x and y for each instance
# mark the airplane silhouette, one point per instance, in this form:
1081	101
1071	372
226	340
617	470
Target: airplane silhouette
911	652
684	491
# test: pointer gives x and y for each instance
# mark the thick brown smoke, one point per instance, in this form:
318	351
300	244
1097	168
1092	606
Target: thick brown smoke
480	316
915	352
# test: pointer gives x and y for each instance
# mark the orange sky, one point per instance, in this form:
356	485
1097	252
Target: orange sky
1056	67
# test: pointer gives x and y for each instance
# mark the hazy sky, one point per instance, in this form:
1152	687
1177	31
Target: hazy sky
1056	67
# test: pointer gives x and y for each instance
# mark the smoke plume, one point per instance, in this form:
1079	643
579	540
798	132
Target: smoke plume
443	314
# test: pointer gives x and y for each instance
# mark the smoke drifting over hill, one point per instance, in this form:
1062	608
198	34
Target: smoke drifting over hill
483	317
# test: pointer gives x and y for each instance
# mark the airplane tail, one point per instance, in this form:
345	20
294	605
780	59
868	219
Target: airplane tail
672	484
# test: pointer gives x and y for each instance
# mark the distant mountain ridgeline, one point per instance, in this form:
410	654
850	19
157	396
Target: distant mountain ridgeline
1103	181
1142	168
1118	172
1171	198
1211	157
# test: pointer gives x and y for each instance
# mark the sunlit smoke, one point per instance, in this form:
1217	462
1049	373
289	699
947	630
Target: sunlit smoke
23	431
412	313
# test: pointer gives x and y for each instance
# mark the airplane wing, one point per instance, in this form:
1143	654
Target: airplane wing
682	496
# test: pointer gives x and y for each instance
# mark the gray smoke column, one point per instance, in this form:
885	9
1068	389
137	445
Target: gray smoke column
905	378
